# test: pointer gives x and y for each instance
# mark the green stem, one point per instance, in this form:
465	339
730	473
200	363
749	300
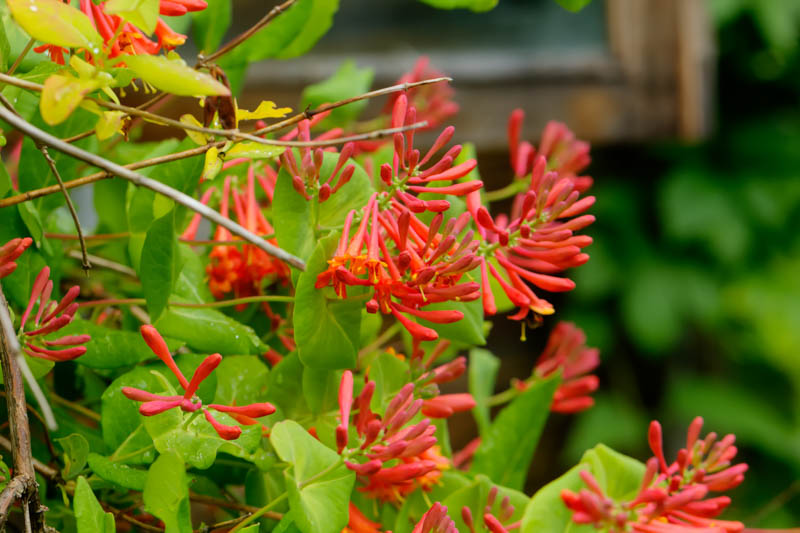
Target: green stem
221	303
260	512
503	397
21	56
508	191
382	339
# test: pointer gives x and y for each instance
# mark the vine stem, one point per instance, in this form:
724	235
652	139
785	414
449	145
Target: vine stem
234	135
261	512
97	176
327	107
25	487
21	56
143	181
220	303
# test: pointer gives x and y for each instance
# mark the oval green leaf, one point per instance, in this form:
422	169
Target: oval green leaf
174	77
55	23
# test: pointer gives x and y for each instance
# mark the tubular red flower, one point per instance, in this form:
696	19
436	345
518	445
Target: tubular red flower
156	343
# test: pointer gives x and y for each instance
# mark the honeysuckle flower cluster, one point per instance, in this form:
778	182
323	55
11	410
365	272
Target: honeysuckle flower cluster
153	404
566	352
10	252
673	497
50	317
398	456
435	520
537	238
123	38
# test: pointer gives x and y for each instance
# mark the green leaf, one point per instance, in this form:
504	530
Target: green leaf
5	54
118	473
32	220
141	13
292	218
573	5
159	264
321	389
76	450
482	374
89	515
241	380
474	5
506	450
210	25
346	82
173	76
5	474
110	348
61	95
319	484
55	23
293	33
326	328
209	331
618	475
120	419
166	494
285	379
389	374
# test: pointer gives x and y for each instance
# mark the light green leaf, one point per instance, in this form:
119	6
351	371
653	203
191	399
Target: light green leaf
619	477
241	380
292	218
254	150
166	494
89	515
62	94
141	13
319	484
159	264
482	373
326	328
506	450
76	450
173	76
209	331
54	22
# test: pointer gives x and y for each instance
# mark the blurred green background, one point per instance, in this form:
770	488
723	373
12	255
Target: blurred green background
693	287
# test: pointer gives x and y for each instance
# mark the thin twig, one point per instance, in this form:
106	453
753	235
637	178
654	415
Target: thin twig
143	181
105	263
220	303
327	107
85	264
97	176
40	418
47	471
21	56
233	135
274	12
88	413
52	164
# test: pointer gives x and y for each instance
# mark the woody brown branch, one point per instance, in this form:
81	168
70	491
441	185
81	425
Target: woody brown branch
24	487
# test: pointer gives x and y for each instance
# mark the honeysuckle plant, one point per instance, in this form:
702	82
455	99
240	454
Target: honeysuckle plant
346	271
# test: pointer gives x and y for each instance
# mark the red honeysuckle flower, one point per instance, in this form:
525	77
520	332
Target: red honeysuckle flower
10	252
50	317
358	523
153	404
566	351
433	102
